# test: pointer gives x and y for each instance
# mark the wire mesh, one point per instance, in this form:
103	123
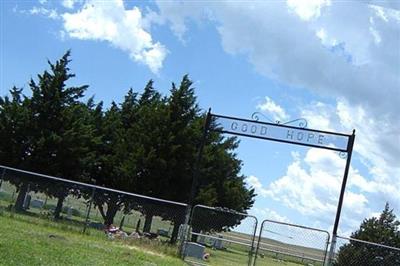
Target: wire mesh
355	252
280	242
218	236
109	213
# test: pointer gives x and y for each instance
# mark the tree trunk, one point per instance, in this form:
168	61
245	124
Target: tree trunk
147	222
23	190
112	208
58	209
175	231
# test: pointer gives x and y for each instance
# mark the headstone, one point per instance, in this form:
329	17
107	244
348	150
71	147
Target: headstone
202	239
27	202
69	212
218	243
96	225
162	232
194	250
37	203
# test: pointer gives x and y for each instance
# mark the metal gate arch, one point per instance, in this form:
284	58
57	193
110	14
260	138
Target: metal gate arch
236	240
266	225
279	132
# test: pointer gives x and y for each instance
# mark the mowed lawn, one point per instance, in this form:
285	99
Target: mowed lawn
30	241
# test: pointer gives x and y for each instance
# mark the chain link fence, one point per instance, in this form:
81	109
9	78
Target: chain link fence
284	243
220	236
91	209
355	252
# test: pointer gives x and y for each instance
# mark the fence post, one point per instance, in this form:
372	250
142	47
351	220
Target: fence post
326	259
331	256
88	211
252	249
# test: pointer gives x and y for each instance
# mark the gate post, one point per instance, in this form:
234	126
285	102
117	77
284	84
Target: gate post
340	202
331	254
196	169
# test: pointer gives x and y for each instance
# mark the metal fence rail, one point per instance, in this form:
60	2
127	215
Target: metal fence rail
356	252
291	243
217	235
88	207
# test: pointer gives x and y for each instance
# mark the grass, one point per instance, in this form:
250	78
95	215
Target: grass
233	257
29	240
8	195
34	238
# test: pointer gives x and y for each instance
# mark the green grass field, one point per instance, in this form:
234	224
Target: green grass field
27	240
34	238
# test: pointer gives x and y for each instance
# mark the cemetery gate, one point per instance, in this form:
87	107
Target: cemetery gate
279	132
289	243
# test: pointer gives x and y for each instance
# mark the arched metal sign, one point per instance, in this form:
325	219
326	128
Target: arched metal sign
280	132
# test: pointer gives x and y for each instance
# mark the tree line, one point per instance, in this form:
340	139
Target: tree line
383	230
146	144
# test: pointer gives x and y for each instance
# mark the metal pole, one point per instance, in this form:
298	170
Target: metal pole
252	248
258	242
88	211
340	203
195	177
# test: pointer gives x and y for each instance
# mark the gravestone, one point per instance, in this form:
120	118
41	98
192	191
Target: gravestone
218	243
36	203
97	225
194	250
202	239
162	232
69	212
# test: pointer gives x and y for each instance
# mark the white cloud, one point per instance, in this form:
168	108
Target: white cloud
69	3
307	9
110	21
255	183
349	61
375	145
318	115
273	109
267	213
50	13
311	187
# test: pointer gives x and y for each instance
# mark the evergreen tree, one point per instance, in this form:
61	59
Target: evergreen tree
56	131
383	230
220	183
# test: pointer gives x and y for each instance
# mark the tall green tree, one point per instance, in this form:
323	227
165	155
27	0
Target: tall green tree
57	130
179	137
115	167
382	230
62	133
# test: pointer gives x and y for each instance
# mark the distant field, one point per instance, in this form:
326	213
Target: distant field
271	252
28	240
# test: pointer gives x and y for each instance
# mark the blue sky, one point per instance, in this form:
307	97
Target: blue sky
336	64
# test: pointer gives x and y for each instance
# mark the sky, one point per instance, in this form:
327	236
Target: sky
334	63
